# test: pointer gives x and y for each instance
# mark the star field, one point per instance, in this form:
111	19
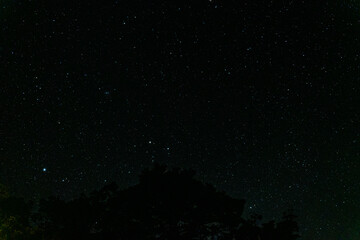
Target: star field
260	98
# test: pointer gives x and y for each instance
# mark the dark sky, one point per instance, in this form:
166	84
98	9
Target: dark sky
261	98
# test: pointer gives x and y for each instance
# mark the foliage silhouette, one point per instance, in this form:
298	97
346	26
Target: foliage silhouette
165	204
15	215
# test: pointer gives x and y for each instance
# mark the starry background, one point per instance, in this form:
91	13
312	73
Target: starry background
261	98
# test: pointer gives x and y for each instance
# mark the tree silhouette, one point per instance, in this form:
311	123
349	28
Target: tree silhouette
165	204
15	216
288	227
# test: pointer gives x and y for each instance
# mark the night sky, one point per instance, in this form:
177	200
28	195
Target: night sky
261	98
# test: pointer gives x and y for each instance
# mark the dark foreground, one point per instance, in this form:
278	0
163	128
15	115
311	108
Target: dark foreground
165	204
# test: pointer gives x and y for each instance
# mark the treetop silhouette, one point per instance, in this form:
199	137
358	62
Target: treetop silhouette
165	204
